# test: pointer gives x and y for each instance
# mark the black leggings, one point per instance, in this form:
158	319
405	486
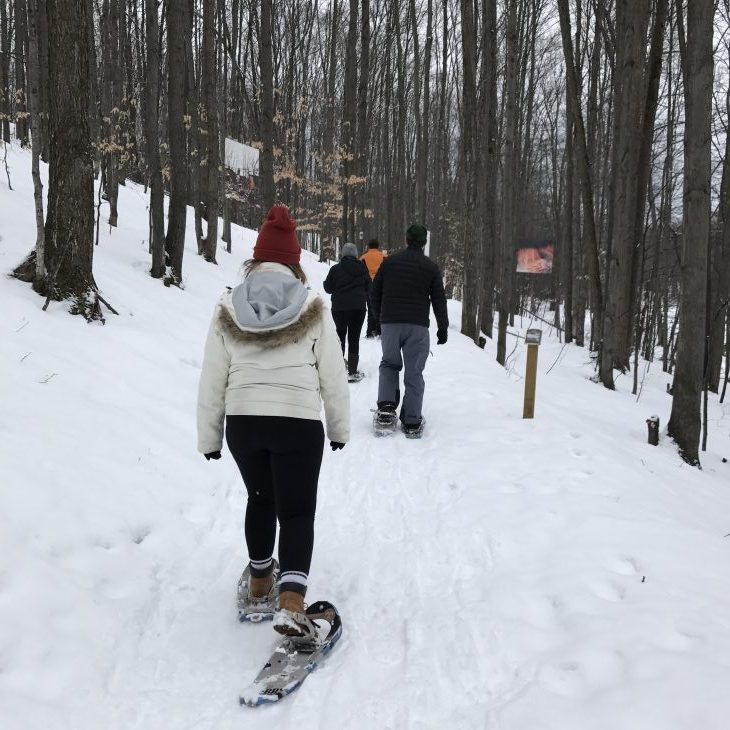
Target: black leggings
349	326
279	459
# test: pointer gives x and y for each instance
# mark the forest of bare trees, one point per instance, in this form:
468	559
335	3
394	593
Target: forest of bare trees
597	125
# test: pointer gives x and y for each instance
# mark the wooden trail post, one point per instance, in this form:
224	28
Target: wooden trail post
533	339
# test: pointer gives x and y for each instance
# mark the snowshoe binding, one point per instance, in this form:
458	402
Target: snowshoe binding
413	431
291	619
385	421
252	607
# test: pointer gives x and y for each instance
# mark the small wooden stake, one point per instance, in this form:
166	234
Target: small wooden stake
530	382
533	342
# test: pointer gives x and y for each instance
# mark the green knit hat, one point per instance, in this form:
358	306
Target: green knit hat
417	234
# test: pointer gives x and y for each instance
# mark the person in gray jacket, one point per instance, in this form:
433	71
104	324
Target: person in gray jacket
271	358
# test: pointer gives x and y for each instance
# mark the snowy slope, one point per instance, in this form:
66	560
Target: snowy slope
502	574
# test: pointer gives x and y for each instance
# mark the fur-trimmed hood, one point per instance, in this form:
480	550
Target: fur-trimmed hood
270	308
308	318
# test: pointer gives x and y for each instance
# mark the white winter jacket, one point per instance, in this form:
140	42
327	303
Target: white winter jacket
272	350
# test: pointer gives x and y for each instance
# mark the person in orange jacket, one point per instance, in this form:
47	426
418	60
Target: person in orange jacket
372	258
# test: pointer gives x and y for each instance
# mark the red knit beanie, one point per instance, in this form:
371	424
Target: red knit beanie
277	240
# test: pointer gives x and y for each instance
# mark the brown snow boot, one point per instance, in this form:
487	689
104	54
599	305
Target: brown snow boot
259	588
291	601
290	619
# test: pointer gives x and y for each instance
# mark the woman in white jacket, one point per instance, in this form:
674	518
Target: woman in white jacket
271	358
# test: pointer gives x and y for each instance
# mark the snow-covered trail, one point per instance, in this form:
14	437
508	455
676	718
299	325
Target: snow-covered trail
555	574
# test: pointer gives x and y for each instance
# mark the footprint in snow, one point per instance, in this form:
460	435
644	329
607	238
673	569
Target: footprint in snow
563	678
607	590
623	565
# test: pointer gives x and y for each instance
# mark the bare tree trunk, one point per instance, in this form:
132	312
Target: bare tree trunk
328	143
685	421
43	71
266	161
349	120
400	202
36	140
176	75
422	163
470	297
211	176
510	181
583	166
152	133
195	151
223	101
115	79
94	108
490	165
720	273
33	269
631	26
569	229
21	45
654	73
4	72
387	136
363	131
69	233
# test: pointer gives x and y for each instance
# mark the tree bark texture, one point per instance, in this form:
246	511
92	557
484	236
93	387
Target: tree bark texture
152	134
69	230
211	176
177	211
685	421
349	122
4	72
632	17
21	54
490	165
470	297
510	177
266	160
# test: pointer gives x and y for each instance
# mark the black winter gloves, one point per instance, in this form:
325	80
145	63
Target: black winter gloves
335	445
441	337
212	455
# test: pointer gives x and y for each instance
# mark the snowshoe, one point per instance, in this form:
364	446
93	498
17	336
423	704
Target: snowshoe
385	421
255	609
355	377
294	658
415	431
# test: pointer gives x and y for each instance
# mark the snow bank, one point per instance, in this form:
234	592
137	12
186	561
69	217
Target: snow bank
557	573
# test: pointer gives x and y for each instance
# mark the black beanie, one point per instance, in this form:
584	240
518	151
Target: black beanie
417	234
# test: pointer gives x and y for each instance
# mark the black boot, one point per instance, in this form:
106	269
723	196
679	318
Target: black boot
352	363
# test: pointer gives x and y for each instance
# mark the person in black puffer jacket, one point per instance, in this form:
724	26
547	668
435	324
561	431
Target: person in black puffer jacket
407	284
349	284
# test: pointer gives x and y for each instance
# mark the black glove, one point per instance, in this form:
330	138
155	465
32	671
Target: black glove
441	337
334	445
212	455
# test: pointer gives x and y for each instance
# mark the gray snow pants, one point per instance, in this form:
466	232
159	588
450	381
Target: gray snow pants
407	344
